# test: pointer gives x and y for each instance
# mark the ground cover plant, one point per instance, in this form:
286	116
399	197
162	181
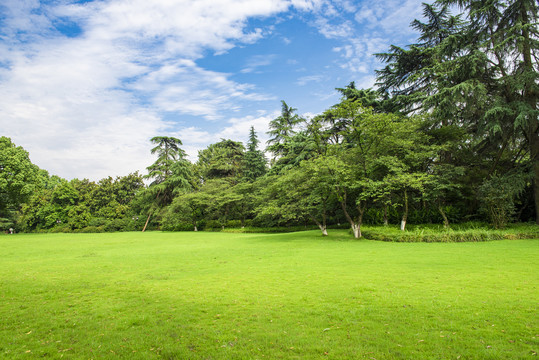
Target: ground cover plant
275	296
468	232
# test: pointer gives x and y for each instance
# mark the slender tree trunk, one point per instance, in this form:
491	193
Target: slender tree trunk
361	211
146	224
150	213
321	225
386	222
356	227
405	214
442	212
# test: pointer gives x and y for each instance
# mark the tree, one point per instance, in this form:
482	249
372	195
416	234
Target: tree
171	172
299	194
368	98
481	73
188	207
224	159
168	152
498	195
254	162
281	129
18	179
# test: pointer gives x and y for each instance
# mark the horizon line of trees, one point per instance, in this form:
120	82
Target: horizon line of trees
450	135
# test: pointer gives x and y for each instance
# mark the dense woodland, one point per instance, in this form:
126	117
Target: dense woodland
449	134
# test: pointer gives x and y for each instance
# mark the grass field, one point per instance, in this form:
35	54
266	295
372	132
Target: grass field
271	296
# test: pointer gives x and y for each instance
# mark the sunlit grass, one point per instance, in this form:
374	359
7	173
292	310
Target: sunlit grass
273	296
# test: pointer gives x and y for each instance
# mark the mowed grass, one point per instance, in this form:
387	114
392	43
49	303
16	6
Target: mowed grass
277	296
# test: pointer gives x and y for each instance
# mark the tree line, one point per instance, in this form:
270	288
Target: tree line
450	134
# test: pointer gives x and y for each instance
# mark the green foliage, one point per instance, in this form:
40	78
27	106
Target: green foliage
477	71
498	195
461	234
78	204
254	161
282	129
221	160
18	180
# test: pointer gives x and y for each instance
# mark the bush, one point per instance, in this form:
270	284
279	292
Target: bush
180	226
431	234
92	229
498	195
61	229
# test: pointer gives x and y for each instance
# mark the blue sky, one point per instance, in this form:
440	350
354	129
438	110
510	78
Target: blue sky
84	85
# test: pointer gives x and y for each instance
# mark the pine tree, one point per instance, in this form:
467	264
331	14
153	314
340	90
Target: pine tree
254	160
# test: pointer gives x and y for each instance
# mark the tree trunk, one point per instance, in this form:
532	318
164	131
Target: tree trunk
442	212
146	224
405	214
356	228
324	230
386	222
321	225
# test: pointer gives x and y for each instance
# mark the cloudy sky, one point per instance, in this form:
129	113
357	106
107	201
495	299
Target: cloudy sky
84	85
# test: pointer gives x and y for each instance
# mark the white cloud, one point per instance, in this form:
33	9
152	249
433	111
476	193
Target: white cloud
304	80
258	61
392	16
387	23
86	106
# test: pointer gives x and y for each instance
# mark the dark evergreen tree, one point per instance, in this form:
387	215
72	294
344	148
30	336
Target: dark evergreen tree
254	160
478	72
282	129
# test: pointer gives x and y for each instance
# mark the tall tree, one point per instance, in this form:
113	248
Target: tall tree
18	179
168	152
480	73
254	160
282	129
224	159
171	172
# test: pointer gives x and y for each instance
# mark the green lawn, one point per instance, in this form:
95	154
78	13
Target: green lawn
273	296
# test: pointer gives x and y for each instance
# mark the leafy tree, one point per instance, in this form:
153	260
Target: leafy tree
299	194
368	98
224	159
187	207
221	200
498	195
299	147
18	179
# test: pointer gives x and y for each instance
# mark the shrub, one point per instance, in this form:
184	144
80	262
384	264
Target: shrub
498	195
